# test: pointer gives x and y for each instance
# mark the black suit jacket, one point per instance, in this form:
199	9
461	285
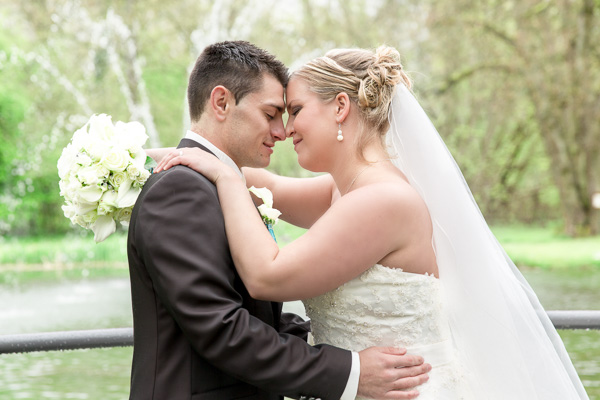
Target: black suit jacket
198	335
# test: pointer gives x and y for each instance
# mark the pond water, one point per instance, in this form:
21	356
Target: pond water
67	305
105	303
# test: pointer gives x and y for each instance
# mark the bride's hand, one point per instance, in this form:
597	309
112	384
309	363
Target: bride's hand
203	162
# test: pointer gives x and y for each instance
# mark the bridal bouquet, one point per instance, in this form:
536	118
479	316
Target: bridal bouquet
102	172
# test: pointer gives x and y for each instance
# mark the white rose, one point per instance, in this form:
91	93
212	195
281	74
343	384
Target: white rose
71	187
108	203
117	178
105	209
90	217
80	138
133	171
116	160
101	171
101	127
78	219
63	185
269	214
66	161
96	148
131	135
88	176
69	211
142	177
123	215
83	159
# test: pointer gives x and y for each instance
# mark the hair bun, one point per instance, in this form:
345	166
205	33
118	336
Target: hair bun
378	84
381	78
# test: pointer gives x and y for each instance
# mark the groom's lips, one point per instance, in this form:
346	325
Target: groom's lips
269	147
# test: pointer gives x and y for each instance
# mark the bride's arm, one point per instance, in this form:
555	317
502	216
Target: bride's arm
354	234
302	201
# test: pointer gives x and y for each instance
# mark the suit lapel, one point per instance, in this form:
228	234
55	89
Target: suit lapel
276	307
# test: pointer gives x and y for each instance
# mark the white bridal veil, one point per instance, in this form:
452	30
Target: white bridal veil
504	338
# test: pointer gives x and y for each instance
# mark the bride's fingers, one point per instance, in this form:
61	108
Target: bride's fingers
164	160
164	163
178	159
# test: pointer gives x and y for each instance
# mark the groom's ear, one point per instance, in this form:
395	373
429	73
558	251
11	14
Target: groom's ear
220	102
342	107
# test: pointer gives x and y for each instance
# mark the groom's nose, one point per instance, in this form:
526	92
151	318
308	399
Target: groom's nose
278	132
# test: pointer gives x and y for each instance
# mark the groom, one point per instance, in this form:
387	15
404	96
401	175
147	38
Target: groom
197	332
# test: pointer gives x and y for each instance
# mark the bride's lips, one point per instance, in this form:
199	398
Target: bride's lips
296	141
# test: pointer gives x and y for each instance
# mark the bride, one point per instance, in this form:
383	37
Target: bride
397	251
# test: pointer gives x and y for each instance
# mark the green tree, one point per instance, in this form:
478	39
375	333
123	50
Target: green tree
530	69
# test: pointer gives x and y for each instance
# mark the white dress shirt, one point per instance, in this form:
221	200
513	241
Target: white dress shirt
216	151
352	385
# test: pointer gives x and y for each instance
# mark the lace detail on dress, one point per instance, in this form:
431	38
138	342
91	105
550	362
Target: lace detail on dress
388	307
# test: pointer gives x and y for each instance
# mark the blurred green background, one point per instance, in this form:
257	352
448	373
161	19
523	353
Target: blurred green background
513	87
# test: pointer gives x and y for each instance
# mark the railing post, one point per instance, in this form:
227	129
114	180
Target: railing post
69	340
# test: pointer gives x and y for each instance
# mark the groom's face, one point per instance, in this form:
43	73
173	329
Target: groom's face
256	124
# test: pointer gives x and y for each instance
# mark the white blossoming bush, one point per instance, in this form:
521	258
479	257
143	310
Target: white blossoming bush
102	172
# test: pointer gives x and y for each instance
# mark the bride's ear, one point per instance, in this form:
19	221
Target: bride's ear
342	107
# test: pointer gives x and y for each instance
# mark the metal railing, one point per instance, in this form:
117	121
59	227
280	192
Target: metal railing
120	337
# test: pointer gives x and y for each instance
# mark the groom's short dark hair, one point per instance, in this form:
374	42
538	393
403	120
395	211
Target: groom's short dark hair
236	65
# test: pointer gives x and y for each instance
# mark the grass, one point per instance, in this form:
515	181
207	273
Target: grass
62	257
544	248
60	250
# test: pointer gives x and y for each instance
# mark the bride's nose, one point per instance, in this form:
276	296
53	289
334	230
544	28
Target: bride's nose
289	129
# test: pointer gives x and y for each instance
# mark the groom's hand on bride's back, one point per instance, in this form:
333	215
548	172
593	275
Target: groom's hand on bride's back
389	373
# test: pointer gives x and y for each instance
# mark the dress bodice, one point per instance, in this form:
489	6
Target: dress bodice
388	307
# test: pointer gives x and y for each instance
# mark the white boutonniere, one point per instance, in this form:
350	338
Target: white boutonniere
269	215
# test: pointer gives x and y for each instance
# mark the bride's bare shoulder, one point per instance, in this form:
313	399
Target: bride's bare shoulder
389	192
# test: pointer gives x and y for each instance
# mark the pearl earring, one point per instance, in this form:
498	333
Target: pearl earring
340	137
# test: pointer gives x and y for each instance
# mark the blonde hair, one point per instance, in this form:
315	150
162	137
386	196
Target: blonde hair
368	77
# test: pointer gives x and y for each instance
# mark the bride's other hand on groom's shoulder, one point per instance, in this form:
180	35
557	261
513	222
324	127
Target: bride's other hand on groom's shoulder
390	373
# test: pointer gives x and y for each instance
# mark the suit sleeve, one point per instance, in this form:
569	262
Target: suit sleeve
294	325
189	263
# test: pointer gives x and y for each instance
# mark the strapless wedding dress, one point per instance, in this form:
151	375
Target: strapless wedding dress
389	307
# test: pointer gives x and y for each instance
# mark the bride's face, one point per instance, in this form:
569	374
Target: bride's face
311	125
